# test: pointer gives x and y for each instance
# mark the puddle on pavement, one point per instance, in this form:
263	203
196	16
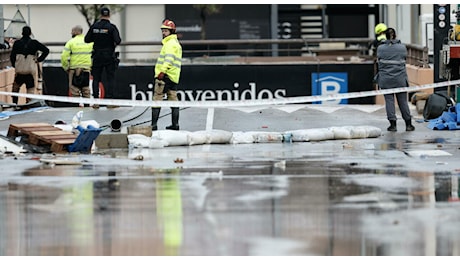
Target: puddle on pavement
340	198
306	206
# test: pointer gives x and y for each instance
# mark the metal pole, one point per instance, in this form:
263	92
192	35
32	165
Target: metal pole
441	22
123	30
274	29
323	17
28	14
2	26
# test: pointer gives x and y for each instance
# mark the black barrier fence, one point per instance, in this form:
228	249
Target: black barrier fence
236	82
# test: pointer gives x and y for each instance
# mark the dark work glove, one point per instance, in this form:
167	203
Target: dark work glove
161	76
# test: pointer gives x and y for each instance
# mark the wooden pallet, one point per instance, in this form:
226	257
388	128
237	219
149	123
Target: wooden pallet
24	129
43	134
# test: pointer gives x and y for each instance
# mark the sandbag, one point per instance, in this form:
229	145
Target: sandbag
341	132
373	131
358	132
138	140
220	136
313	134
240	137
199	137
267	137
172	137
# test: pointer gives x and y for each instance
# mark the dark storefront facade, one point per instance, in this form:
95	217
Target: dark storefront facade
237	82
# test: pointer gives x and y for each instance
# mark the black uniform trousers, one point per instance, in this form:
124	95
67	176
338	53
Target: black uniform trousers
104	60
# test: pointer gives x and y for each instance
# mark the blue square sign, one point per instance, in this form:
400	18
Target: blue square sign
323	84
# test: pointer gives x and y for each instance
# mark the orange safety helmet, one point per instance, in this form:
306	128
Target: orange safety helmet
168	24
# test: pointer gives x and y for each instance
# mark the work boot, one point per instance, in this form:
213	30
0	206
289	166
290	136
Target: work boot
155	116
409	126
174	119
392	127
172	127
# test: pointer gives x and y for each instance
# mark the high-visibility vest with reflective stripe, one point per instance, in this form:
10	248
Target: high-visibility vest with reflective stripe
170	60
77	53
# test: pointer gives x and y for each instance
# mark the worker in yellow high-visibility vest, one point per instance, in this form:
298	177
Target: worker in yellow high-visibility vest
76	60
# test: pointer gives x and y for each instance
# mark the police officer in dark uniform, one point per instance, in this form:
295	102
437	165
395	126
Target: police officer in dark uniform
106	37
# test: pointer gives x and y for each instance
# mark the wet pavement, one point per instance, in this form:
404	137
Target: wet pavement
392	195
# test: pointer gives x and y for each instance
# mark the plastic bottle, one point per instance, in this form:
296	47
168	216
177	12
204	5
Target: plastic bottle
77	119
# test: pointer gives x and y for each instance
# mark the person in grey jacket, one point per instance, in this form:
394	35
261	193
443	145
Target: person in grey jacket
391	58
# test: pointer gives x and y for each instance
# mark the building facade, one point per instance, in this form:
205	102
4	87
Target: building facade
52	23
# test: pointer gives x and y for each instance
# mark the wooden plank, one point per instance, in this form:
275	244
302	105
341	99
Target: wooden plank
47	137
43	135
38	128
46	133
60	137
13	131
58	146
64	141
14	128
29	124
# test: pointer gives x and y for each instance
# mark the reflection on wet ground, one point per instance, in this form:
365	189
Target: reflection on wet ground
392	195
281	199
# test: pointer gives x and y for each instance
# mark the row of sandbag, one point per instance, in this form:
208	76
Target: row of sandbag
164	138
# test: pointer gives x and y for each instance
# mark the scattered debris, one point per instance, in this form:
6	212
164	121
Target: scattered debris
42	134
59	161
139	157
58	140
179	160
281	165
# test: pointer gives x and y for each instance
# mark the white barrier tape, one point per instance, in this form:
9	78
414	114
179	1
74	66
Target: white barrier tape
230	103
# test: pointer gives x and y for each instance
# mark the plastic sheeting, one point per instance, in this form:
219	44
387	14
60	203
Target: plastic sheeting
449	120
